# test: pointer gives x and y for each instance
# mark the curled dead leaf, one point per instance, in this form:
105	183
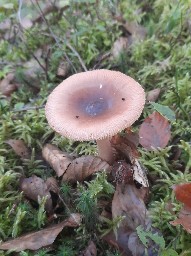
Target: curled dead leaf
35	187
154	132
20	148
184	219
153	95
36	240
126	145
7	86
82	167
140	174
57	159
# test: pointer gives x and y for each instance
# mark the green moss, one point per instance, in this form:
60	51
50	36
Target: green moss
161	60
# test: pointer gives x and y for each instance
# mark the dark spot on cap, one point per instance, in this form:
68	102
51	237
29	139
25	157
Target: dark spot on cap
123	99
77	116
137	184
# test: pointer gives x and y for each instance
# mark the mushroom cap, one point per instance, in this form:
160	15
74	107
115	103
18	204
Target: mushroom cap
94	105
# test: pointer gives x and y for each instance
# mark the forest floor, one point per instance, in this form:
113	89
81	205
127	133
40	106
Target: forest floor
50	206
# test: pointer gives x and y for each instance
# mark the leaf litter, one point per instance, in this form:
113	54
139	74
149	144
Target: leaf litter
128	199
91	250
35	187
128	203
57	159
39	239
183	195
126	160
19	148
82	167
154	132
8	85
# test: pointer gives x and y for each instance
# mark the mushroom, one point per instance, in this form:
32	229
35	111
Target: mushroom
95	105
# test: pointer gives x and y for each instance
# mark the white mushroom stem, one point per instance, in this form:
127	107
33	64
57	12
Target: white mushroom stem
105	150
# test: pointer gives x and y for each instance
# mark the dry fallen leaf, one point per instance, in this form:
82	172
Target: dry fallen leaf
128	203
52	185
63	69
153	95
110	238
140	174
35	187
154	132
126	145
6	85
20	148
119	47
36	240
183	193
57	159
82	167
91	250
184	219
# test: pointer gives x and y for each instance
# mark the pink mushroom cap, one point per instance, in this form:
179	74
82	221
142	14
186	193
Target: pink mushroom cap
94	105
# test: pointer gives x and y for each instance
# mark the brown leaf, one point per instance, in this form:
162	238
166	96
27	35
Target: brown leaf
184	219
35	187
111	239
126	145
36	240
91	250
183	193
52	185
84	166
57	159
63	69
128	202
153	95
6	85
20	148
154	132
136	31
120	46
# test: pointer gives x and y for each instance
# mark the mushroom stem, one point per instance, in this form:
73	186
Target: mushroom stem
105	150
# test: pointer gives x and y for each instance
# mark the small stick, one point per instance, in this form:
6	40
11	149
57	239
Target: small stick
29	108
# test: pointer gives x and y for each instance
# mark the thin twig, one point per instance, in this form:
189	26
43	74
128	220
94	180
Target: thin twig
19	11
53	35
57	40
23	40
29	108
77	54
